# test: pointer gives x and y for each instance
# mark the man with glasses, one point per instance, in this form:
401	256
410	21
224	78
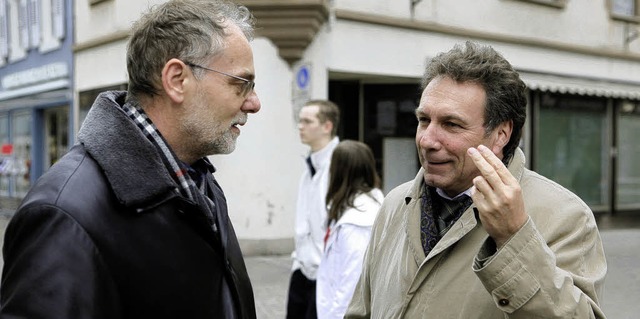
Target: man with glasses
131	222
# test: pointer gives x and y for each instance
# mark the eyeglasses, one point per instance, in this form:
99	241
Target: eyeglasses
247	85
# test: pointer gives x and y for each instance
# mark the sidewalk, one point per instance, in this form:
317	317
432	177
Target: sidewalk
270	279
620	237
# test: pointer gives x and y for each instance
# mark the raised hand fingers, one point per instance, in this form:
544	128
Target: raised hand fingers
491	167
484	165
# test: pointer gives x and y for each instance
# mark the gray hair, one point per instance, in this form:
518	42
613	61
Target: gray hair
189	30
506	92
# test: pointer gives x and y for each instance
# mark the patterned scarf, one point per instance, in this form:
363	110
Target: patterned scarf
178	172
437	216
177	169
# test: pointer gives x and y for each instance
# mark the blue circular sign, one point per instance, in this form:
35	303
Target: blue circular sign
302	78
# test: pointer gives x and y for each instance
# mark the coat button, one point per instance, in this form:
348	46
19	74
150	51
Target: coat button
503	302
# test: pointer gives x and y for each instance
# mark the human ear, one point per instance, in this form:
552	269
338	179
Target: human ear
503	134
174	76
328	126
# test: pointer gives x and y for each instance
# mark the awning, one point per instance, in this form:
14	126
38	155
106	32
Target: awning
580	86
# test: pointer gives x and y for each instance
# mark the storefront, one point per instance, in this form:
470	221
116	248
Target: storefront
580	135
35	90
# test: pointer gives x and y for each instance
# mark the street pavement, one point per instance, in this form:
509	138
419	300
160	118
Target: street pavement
621	240
621	298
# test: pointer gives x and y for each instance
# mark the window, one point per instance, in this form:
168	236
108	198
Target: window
625	10
21	136
5	154
572	145
628	170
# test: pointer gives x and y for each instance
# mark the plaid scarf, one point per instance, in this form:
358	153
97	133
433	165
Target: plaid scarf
437	216
177	170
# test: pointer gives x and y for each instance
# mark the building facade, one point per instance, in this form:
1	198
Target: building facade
36	91
580	60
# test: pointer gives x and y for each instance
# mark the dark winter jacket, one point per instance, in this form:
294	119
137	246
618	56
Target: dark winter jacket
105	233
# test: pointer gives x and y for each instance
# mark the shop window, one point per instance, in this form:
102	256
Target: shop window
572	145
5	155
56	122
628	169
21	165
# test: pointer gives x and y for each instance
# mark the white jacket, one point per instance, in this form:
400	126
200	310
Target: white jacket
311	213
341	263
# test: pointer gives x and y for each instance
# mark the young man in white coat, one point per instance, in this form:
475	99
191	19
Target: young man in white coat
318	126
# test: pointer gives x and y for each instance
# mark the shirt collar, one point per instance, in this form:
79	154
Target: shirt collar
445	196
320	157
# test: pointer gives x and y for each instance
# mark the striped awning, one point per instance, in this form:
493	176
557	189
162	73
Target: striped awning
581	86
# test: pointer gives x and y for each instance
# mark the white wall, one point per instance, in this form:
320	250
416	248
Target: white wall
260	178
579	22
107	17
364	48
100	67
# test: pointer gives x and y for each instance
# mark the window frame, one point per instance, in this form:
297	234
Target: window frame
625	18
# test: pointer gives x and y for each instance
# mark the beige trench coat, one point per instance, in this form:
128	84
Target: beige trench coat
554	267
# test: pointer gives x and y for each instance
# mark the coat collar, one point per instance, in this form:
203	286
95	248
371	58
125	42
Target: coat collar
129	160
516	167
464	225
322	157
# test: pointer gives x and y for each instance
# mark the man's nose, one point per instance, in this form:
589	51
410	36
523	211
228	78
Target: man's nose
429	137
252	103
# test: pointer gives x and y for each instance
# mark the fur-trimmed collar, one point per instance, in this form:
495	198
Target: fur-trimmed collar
130	162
